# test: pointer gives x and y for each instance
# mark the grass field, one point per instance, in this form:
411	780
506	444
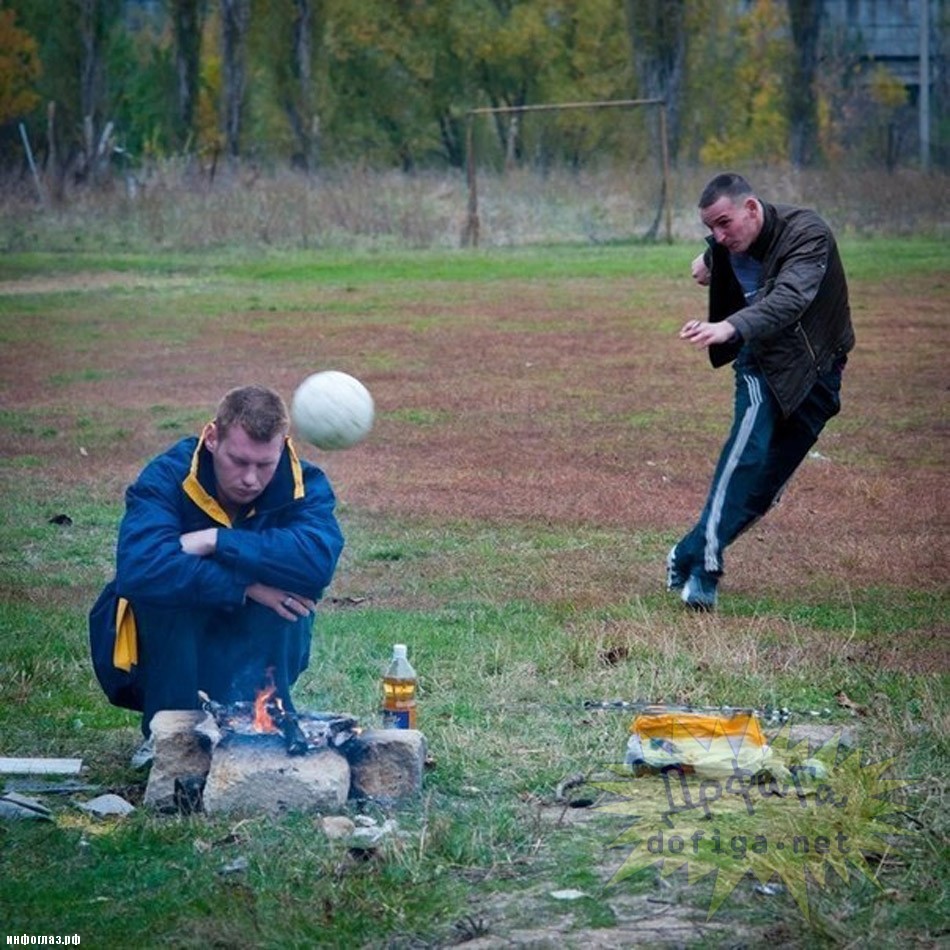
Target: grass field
542	437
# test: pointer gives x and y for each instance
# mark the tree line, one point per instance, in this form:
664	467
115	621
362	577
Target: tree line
319	83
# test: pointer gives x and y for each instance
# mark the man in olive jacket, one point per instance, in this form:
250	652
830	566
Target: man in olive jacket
778	308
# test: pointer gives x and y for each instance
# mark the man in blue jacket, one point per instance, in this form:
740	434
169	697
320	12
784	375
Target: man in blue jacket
778	307
227	543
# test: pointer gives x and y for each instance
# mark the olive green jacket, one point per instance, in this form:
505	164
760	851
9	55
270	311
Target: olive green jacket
799	323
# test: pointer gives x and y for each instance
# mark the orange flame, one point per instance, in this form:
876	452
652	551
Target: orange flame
263	721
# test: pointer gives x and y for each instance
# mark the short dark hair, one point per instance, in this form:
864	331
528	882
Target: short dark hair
258	410
727	185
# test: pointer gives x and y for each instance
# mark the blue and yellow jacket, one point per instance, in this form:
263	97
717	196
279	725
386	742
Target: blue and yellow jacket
289	538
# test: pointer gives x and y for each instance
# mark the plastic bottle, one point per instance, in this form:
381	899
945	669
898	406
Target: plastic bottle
399	692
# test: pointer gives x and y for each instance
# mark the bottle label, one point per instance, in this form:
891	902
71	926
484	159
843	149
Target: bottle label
397	718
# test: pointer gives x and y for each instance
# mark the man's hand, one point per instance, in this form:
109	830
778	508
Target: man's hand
701	333
284	603
201	543
701	273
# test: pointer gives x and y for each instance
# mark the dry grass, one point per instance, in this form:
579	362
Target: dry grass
174	205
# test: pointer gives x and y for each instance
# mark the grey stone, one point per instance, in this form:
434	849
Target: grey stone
182	752
387	764
257	775
336	827
108	804
196	769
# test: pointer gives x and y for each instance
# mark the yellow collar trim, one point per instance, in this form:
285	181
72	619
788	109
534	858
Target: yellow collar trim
196	492
210	506
296	470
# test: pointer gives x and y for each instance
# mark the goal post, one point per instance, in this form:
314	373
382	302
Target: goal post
471	232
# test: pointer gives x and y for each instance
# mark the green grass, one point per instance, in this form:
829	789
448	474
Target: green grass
880	259
508	655
503	686
885	259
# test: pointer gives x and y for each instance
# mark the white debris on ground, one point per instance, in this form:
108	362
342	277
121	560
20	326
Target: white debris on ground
107	805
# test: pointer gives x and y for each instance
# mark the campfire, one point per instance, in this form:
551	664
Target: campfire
263	755
268	715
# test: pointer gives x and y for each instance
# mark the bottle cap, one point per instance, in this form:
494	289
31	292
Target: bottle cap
399	651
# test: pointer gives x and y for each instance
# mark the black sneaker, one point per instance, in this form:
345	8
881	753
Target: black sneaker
699	592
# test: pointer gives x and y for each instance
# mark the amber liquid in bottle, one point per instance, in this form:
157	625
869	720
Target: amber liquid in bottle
399	692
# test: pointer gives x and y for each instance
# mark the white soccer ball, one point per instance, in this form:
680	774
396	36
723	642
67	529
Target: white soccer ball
332	410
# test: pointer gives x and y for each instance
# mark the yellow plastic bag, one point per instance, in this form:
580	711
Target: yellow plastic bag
713	744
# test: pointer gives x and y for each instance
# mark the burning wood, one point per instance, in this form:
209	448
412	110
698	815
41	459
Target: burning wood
289	726
268	715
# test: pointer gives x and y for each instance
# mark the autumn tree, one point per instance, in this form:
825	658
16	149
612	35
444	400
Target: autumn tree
547	51
657	31
187	21
744	105
805	22
511	45
444	72
391	82
19	69
73	40
587	59
94	21
235	20
299	107
400	76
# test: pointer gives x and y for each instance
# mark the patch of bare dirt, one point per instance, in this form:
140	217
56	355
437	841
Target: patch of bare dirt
567	403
